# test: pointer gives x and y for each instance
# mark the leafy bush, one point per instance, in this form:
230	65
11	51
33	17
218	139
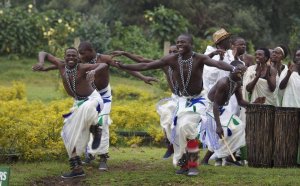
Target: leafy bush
132	39
24	31
33	129
166	24
19	32
17	91
93	30
57	28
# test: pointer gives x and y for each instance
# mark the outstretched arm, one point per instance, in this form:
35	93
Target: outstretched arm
219	64
134	57
52	67
42	56
147	79
144	66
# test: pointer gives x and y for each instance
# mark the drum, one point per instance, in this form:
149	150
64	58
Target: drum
286	137
259	135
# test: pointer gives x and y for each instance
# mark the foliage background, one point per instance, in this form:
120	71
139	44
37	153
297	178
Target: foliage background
263	24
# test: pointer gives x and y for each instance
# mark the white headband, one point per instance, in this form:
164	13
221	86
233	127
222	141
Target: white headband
281	49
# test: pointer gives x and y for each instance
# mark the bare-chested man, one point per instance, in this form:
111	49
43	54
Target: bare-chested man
187	70
101	84
221	120
77	79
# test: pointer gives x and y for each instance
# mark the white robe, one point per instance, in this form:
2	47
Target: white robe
104	120
291	96
234	132
166	108
76	129
186	117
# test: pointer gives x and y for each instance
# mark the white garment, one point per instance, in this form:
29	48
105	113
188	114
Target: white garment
105	120
212	74
166	108
76	129
190	111
291	96
261	89
234	132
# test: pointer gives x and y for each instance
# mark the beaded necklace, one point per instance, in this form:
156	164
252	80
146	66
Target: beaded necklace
174	85
72	85
232	87
184	82
94	61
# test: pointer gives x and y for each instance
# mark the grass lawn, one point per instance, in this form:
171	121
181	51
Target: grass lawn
144	166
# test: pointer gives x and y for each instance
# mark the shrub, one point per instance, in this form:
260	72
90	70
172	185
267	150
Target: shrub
19	32
134	40
33	129
93	30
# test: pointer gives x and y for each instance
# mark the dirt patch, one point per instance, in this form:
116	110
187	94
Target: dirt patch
89	170
126	165
58	181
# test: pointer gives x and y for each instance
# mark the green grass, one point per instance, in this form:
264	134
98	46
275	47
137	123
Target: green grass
144	166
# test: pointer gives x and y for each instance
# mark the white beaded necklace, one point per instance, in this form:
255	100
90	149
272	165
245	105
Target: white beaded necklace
72	85
184	82
232	87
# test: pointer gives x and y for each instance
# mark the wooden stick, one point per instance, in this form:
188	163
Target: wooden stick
231	154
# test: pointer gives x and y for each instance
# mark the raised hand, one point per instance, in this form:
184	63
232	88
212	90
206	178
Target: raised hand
258	70
90	75
38	67
220	52
293	67
260	100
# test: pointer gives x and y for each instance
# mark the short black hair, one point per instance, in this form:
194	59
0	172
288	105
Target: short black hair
86	45
236	63
234	39
266	52
189	36
73	48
